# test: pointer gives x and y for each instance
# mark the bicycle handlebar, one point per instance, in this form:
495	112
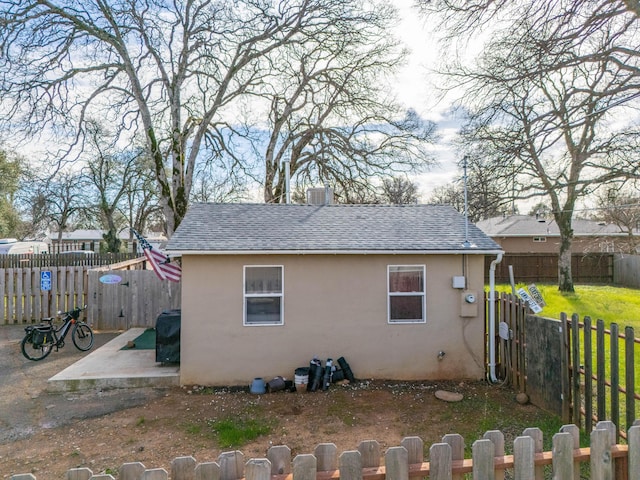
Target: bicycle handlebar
73	310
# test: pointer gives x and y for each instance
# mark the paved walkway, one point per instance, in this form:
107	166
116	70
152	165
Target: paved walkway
110	367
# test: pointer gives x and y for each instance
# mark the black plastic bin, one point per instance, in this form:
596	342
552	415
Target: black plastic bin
168	337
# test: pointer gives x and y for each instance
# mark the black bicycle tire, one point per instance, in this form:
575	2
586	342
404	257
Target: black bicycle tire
26	346
79	327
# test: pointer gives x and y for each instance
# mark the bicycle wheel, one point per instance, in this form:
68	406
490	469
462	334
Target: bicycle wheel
34	353
82	336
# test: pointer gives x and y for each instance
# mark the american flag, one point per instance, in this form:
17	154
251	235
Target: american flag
161	264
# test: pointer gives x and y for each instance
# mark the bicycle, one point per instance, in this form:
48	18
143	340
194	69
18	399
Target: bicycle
40	339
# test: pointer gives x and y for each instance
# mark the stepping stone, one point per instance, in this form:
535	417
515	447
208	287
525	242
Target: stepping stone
448	396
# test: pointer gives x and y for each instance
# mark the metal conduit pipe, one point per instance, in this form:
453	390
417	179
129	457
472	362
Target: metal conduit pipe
492	319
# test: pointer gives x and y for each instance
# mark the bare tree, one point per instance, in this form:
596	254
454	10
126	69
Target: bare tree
485	192
330	114
399	191
621	206
10	173
541	103
170	71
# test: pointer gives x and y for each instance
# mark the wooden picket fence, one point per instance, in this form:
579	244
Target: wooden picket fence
134	302
24	301
603	459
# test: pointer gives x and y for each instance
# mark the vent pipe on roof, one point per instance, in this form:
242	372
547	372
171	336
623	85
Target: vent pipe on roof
466	243
287	181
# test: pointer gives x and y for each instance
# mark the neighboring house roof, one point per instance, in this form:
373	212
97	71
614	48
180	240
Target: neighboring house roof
274	228
529	226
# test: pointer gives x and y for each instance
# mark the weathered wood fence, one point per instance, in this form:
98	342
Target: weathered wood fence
136	301
24	301
28	260
601	380
543	267
564	369
626	271
603	459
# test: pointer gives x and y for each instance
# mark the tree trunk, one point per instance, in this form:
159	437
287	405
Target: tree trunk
565	278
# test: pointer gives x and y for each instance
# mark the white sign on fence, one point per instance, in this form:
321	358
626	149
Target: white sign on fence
524	295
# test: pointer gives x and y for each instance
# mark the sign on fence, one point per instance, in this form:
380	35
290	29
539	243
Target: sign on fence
45	280
530	301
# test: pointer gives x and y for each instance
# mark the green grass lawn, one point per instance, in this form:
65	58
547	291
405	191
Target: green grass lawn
611	304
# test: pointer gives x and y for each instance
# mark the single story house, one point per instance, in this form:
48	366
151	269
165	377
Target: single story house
395	290
539	234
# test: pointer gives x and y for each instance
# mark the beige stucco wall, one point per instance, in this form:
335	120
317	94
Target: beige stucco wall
334	305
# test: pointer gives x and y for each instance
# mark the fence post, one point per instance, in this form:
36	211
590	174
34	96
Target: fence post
257	469
575	434
565	362
497	437
350	465
456	442
396	459
562	455
155	474
575	369
131	471
614	353
326	456
183	468
440	461
600	359
415	449
633	440
79	474
370	452
588	375
524	458
231	465
536	435
601	462
629	367
207	471
483	453
305	467
280	458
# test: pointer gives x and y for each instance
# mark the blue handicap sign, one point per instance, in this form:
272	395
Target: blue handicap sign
45	280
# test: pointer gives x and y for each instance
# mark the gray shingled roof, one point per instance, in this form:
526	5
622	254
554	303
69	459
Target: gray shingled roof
526	226
273	228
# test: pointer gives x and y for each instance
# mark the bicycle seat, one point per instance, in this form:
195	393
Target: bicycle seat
48	319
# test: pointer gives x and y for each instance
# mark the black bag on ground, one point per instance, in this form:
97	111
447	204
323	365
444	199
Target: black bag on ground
168	336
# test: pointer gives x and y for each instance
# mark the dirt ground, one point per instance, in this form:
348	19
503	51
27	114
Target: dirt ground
47	434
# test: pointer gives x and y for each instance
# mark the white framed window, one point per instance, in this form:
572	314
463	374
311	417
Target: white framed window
406	299
539	239
263	295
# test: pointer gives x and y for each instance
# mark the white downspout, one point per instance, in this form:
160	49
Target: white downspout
492	319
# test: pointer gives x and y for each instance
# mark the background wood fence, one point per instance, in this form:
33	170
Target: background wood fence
29	260
543	268
603	459
580	371
136	301
626	270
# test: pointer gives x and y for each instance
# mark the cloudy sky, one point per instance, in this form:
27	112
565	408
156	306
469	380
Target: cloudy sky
414	90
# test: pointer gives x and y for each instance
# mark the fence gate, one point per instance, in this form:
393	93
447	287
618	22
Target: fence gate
135	301
543	362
